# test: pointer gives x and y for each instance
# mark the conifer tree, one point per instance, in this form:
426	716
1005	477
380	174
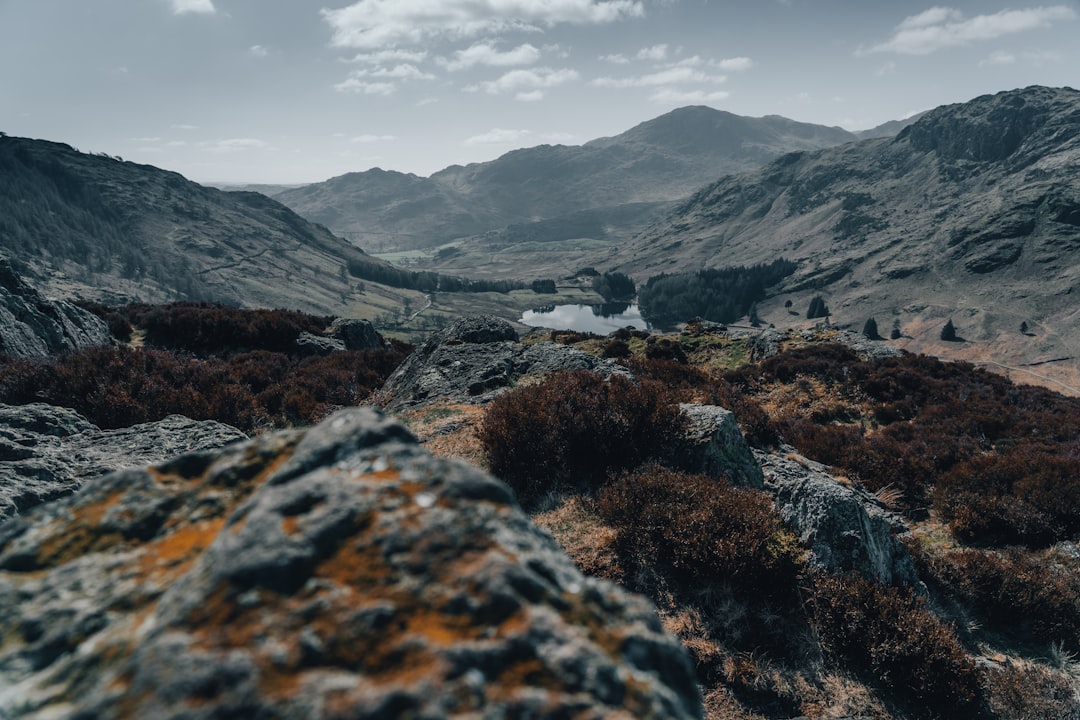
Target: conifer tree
948	333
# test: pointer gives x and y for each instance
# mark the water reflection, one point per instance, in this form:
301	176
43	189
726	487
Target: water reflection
599	319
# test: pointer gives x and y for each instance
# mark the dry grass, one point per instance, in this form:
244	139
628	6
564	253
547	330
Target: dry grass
448	430
588	541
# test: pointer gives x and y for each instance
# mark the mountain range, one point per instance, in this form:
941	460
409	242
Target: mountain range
971	213
654	163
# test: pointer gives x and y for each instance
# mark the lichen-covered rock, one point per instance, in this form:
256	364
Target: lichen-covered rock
311	345
33	326
713	444
47	452
843	528
477	358
338	572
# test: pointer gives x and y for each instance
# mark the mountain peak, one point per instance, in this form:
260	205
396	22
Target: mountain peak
994	128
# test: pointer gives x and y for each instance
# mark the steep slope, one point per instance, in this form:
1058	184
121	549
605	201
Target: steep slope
971	213
104	228
657	161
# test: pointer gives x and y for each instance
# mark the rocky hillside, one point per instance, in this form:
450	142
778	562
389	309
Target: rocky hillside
34	326
103	228
656	162
972	213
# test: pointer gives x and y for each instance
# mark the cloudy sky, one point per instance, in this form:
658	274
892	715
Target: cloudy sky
292	91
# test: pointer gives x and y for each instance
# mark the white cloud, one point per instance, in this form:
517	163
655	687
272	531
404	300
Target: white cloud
385	23
258	51
180	7
383	57
1030	57
886	69
427	101
531	96
145	139
735	64
679	97
526	80
185	127
403	71
498	136
618	59
941	27
363	87
677	75
486	53
655	53
368	139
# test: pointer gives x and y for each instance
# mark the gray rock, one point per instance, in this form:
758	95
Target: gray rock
356	334
340	571
844	528
477	358
310	345
33	326
47	452
713	444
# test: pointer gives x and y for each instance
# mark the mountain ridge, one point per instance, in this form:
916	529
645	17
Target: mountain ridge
971	212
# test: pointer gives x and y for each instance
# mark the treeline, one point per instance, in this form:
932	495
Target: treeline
427	281
720	295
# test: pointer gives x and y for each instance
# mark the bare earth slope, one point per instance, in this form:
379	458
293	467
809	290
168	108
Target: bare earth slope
971	213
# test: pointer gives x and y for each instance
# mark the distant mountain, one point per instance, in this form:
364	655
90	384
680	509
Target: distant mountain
888	129
101	228
970	213
658	161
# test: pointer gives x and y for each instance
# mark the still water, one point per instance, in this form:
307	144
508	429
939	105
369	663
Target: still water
599	319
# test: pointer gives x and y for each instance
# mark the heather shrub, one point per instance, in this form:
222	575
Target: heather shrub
1022	594
891	635
123	386
574	428
697	530
1025	494
210	328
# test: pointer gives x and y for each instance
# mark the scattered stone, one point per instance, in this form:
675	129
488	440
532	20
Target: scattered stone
844	528
339	571
48	452
476	359
713	444
311	345
33	326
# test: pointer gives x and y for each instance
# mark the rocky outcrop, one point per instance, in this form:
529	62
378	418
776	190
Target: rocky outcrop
47	452
713	444
343	334
475	359
33	326
844	527
340	571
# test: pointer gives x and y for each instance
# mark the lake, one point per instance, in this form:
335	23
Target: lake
599	319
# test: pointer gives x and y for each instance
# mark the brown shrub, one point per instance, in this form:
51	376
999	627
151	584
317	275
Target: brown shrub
1020	594
1032	692
891	635
696	530
1025	494
573	429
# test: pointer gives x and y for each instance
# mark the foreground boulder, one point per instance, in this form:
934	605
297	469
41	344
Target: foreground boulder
340	571
33	326
844	527
475	359
47	452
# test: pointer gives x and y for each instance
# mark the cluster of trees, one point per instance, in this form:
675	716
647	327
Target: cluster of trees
428	281
720	295
614	286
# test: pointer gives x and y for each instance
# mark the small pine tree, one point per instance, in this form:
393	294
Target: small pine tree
1024	327
895	334
948	333
753	316
818	308
870	329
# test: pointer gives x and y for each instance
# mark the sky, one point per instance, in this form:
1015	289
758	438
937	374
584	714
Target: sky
298	91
